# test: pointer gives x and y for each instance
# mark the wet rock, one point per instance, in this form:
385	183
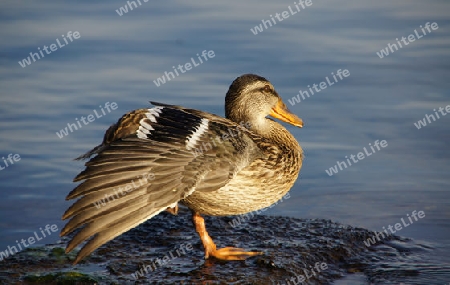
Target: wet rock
167	250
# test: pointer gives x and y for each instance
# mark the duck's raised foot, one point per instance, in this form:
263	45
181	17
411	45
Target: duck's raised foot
232	253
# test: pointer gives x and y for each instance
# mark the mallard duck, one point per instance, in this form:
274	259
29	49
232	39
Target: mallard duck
152	159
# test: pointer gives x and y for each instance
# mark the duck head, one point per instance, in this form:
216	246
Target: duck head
251	98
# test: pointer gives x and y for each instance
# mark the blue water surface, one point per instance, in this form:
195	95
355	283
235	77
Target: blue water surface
118	58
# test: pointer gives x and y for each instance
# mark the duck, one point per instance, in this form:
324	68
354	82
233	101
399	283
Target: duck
155	159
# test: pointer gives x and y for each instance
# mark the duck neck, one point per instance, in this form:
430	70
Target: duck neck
275	132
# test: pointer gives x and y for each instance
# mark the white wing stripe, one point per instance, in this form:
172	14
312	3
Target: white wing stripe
191	141
145	126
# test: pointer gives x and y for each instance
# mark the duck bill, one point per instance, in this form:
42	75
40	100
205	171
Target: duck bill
281	112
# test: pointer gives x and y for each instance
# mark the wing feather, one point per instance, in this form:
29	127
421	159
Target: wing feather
155	168
122	225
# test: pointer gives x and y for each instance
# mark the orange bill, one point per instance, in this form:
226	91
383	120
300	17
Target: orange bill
281	112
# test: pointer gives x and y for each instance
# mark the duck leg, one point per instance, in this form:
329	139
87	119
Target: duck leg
226	253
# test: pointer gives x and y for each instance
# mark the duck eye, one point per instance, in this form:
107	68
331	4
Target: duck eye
267	88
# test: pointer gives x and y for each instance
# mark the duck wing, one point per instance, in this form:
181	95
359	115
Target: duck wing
148	161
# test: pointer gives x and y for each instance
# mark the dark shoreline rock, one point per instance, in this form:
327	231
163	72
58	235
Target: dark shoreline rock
170	251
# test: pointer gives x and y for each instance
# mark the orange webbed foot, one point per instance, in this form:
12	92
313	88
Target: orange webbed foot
226	253
233	253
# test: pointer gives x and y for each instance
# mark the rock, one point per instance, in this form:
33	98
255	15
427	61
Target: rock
167	250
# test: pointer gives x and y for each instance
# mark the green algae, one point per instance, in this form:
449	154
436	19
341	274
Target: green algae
61	278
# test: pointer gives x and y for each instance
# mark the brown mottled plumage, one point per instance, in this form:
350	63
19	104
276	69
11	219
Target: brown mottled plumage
153	159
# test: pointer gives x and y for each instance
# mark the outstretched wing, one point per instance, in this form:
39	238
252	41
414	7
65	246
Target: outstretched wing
148	161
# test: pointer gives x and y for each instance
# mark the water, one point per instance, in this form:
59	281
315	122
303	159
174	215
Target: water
117	58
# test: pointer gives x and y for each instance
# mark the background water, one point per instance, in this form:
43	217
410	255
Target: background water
117	58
